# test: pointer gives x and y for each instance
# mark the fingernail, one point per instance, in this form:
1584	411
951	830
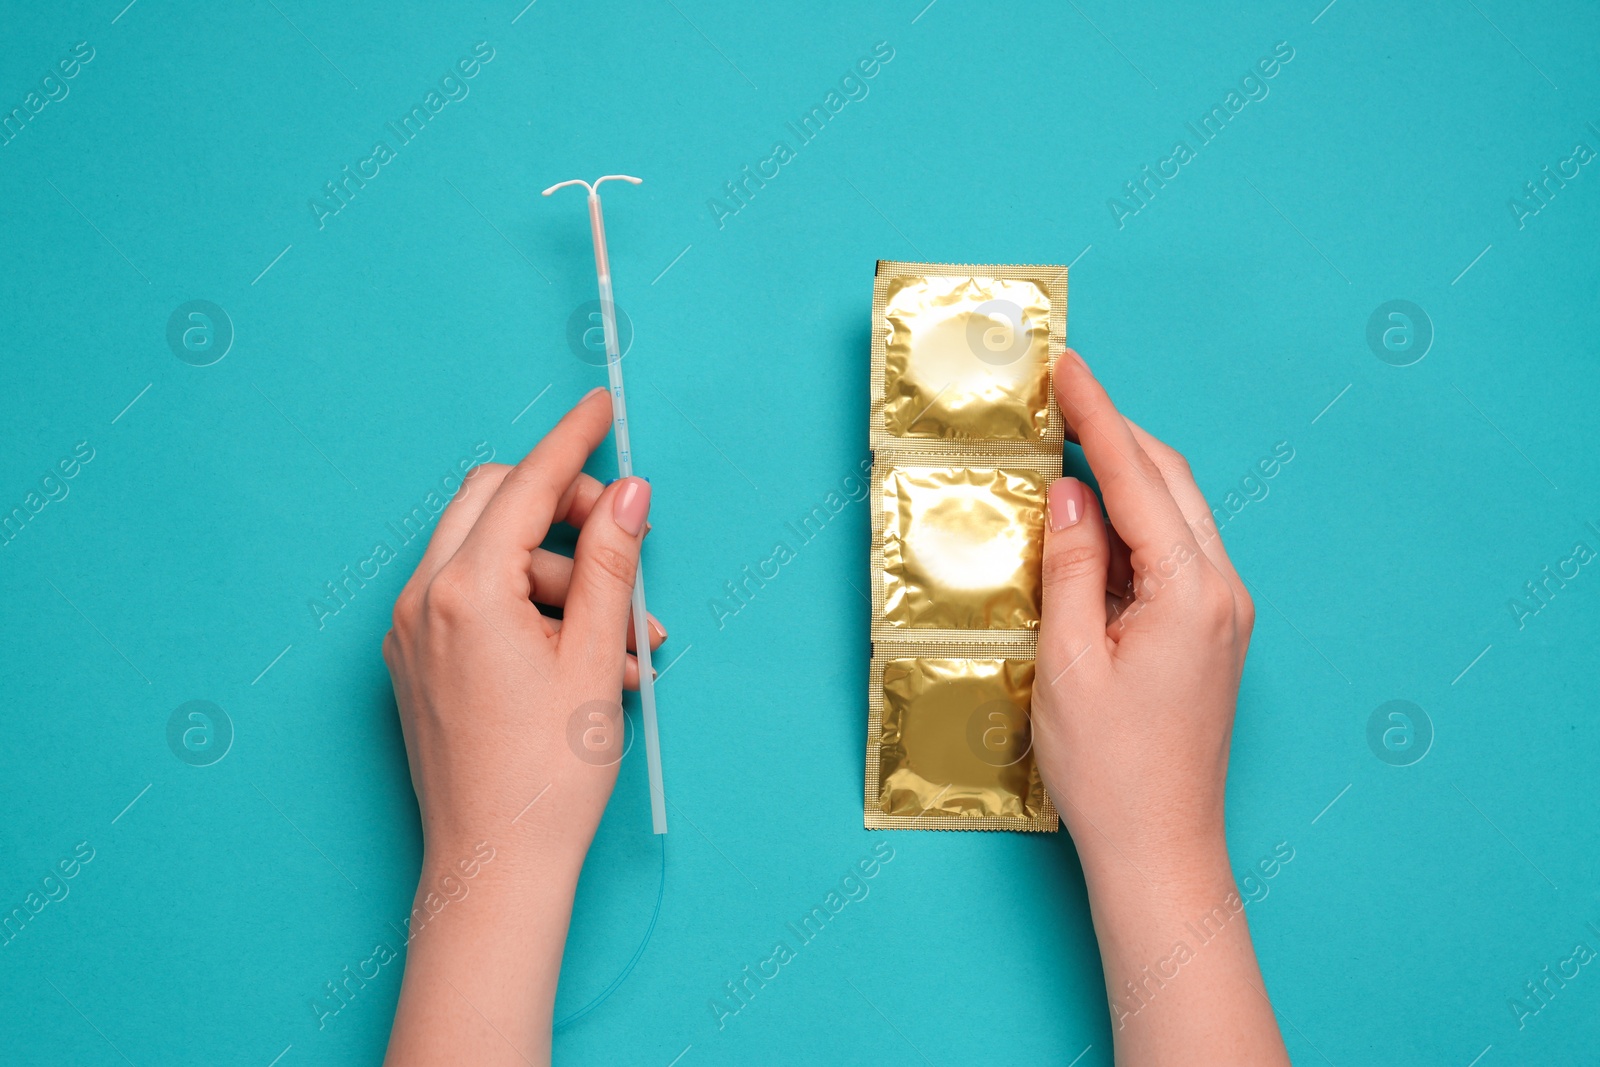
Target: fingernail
596	389
632	505
657	631
654	674
1077	358
1068	501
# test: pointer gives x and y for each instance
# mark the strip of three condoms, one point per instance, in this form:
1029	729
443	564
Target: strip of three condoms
966	439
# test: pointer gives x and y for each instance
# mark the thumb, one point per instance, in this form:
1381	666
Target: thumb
595	626
1076	555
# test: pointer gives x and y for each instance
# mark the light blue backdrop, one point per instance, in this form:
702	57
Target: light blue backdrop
375	347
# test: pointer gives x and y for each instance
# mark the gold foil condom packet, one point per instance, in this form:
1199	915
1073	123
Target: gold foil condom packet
959	547
966	439
966	357
954	741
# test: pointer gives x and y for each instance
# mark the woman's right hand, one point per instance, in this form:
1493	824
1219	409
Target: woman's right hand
1141	645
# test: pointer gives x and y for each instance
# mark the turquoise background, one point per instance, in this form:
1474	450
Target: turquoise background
371	355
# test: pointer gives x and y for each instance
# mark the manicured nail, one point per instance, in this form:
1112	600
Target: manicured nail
1068	502
657	631
633	504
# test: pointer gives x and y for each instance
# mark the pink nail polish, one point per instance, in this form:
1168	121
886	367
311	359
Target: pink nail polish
1068	502
633	504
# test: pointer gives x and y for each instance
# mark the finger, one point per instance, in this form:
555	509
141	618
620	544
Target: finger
574	508
458	518
1119	584
520	513
579	498
630	672
1119	576
550	575
1136	496
653	627
1072	619
657	633
1196	511
603	569
630	669
552	578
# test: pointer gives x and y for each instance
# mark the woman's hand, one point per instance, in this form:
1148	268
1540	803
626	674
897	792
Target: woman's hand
513	727
1141	644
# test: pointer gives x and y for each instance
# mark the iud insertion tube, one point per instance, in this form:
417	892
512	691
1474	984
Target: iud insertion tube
619	422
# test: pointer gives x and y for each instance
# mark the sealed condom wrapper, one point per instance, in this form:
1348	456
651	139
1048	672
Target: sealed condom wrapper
955	742
960	547
967	357
966	439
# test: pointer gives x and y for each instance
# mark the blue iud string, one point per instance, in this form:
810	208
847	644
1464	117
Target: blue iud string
619	422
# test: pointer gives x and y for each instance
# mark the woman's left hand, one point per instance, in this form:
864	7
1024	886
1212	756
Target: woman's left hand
513	727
